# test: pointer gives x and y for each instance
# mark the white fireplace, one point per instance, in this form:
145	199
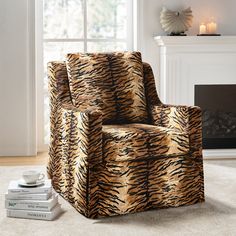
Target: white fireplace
196	60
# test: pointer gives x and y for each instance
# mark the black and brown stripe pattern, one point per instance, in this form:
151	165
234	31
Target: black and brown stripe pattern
112	82
58	149
141	141
104	168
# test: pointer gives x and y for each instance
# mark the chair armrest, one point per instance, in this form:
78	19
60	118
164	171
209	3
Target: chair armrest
84	132
75	158
181	118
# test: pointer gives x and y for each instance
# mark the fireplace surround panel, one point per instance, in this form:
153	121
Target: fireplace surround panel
218	115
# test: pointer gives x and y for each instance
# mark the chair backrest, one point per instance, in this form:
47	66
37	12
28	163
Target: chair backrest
119	84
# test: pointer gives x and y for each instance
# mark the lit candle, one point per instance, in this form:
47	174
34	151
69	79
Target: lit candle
211	27
202	28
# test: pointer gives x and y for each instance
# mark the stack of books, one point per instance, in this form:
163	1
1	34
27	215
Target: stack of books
39	202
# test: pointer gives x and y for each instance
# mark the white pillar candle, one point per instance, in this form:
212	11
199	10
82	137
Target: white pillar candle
211	27
202	29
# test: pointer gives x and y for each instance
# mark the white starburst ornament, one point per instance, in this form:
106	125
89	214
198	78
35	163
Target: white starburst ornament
176	22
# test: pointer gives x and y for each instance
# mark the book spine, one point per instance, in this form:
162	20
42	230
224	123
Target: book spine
27	196
29	214
11	205
29	190
35	214
31	205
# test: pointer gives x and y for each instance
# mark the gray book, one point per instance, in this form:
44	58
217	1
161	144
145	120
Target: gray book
25	196
17	189
34	205
38	215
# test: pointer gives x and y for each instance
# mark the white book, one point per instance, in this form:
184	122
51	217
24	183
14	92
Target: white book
15	188
31	196
33	205
38	215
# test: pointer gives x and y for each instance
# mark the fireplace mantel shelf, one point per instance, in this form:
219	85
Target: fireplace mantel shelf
194	40
186	61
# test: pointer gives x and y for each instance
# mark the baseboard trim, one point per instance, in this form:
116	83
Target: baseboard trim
219	153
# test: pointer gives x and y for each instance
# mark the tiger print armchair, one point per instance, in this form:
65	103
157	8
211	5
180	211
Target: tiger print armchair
115	148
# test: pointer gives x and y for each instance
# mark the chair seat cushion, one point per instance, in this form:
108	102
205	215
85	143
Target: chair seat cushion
133	142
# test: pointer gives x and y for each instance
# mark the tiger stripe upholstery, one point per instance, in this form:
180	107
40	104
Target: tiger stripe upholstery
111	82
104	167
141	141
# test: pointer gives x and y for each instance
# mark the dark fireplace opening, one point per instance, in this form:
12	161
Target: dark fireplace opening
218	104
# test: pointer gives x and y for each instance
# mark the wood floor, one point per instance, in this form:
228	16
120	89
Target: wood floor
40	159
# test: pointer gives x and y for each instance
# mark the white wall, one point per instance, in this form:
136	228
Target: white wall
223	11
17	91
17	97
